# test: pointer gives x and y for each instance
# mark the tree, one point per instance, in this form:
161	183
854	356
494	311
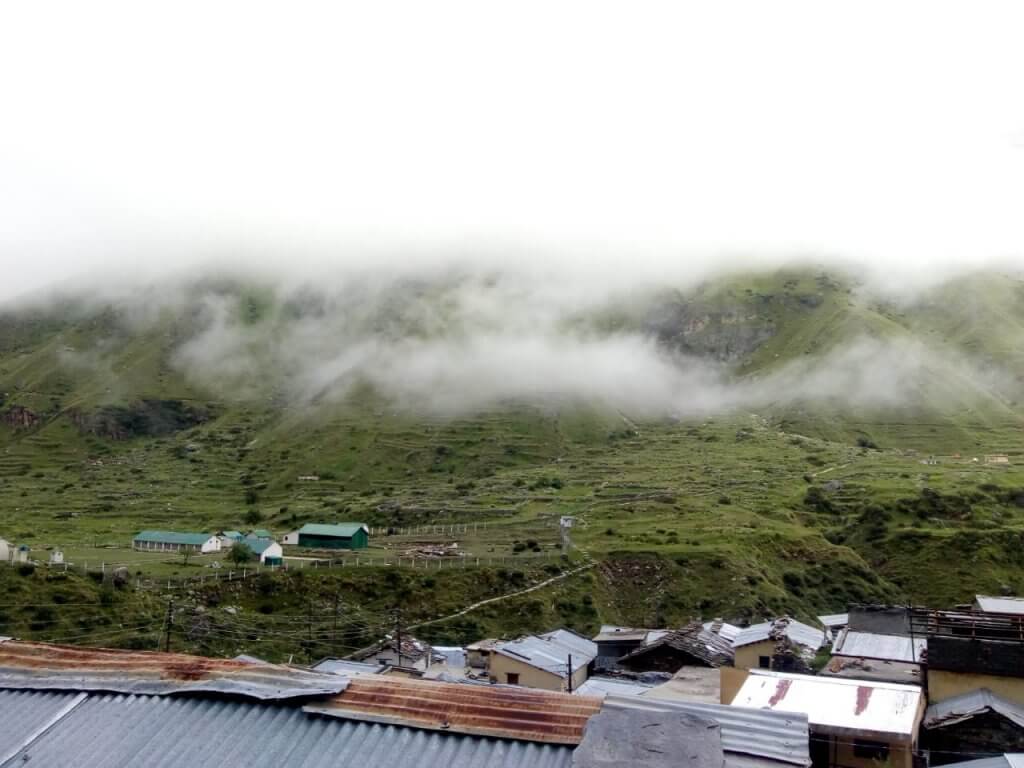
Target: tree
253	516
240	553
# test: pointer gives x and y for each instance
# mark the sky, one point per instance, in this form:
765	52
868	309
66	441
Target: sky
138	138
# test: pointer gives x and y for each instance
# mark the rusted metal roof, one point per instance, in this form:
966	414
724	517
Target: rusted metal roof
509	713
109	730
39	666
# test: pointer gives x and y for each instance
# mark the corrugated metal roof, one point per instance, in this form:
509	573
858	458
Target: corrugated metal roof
776	736
1000	604
578	644
835	620
341	530
118	731
346	667
798	632
886	647
174	537
956	709
503	712
38	666
25	714
549	655
722	629
609	634
610	686
833	705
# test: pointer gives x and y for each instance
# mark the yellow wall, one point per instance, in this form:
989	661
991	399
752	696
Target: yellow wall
748	656
531	677
730	681
943	685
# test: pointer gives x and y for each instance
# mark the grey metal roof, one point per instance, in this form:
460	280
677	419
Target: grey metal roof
578	644
1000	604
174	537
776	736
346	667
868	645
959	708
798	632
118	731
25	713
551	652
610	686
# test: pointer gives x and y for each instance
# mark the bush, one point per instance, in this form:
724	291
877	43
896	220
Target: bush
26	569
253	516
241	553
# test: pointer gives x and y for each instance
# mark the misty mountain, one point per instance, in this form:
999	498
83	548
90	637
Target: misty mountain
806	347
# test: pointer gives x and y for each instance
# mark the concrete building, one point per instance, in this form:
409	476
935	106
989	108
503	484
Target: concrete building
5	551
543	661
20	554
970	651
57	557
291	539
411	654
853	723
337	536
170	541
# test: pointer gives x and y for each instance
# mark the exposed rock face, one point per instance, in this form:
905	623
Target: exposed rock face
20	417
145	418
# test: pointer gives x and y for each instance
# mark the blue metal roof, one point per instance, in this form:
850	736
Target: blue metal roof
118	731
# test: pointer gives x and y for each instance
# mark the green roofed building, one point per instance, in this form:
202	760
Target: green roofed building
172	541
340	536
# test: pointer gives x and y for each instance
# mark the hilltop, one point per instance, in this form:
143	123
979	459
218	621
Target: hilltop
817	447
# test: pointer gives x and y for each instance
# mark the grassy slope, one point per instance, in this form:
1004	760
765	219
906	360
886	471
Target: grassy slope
686	519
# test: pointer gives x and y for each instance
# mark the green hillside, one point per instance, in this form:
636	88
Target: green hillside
798	494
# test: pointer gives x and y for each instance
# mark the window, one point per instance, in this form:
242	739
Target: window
871	750
764	662
512	678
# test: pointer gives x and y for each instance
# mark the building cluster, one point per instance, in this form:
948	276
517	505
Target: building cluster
905	687
260	541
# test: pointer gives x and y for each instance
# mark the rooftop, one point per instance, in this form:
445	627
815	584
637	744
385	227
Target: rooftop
797	632
95	707
845	707
340	530
551	651
1000	604
346	667
956	709
504	712
714	650
1009	760
858	668
883	647
174	537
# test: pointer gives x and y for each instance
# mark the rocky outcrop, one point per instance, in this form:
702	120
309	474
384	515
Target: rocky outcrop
20	417
145	418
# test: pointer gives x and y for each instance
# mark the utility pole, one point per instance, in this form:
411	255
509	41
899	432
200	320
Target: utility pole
337	600
398	634
167	625
309	651
569	665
